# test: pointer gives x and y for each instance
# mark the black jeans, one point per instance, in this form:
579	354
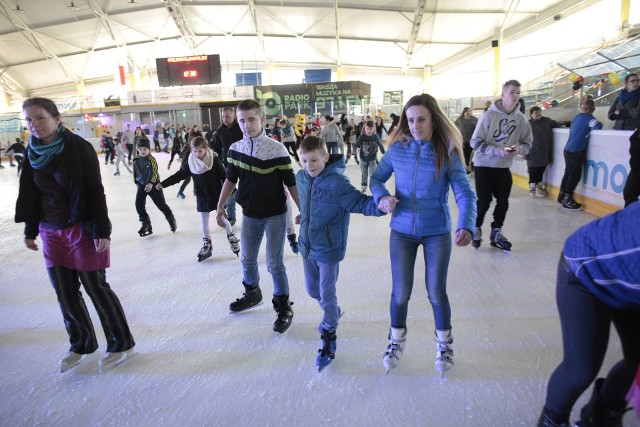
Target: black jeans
572	171
631	190
586	322
130	149
536	173
82	337
493	182
467	150
158	199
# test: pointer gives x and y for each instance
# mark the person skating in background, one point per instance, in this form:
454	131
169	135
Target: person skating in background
425	157
350	136
575	153
145	175
326	200
260	166
502	133
157	134
466	124
367	146
127	139
109	147
540	154
18	151
207	171
61	197
596	288
184	155
121	156
332	136
176	149
289	139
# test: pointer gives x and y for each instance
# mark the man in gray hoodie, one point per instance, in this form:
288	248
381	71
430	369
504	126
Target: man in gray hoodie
502	133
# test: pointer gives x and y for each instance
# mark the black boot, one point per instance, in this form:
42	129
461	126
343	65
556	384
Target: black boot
146	229
548	420
569	203
282	306
597	414
250	298
560	196
172	222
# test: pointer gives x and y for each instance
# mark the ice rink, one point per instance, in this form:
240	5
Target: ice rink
199	365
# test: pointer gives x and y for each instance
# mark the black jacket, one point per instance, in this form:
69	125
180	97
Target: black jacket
224	137
206	186
87	201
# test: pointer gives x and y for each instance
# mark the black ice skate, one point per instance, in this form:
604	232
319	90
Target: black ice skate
293	243
172	223
250	298
206	250
328	351
146	229
282	306
498	240
234	243
477	238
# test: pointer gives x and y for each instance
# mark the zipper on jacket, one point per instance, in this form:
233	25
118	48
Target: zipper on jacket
415	200
326	231
309	216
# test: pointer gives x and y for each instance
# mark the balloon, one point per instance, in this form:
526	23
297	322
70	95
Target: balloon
580	79
554	103
572	77
545	104
577	86
614	78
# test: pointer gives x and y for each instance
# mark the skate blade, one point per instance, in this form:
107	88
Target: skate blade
66	368
501	249
246	309
129	354
200	259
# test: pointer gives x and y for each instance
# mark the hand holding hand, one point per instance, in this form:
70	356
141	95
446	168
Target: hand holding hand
158	186
387	204
220	214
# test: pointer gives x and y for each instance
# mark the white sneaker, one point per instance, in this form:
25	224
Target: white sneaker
70	360
397	340
113	359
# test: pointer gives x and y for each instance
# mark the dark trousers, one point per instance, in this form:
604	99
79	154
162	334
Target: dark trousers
467	150
158	199
82	336
173	154
572	171
186	182
536	173
586	323
631	190
130	149
291	148
493	182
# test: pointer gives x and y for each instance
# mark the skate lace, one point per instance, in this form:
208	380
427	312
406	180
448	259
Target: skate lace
393	349
326	346
445	351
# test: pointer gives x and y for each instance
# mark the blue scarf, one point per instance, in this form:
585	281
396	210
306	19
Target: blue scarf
40	154
626	95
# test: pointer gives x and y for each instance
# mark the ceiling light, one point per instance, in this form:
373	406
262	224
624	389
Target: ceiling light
17	9
73	7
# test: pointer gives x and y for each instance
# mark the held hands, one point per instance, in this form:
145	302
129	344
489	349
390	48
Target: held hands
158	186
220	214
148	187
387	204
463	237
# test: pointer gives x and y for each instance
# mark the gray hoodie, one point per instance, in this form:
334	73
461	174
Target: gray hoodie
497	130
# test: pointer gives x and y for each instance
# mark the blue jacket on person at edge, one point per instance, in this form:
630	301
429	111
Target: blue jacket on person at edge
423	207
325	204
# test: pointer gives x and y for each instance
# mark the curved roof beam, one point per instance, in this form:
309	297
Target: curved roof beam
176	11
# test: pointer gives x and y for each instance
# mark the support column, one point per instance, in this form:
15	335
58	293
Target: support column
340	73
269	75
625	5
426	78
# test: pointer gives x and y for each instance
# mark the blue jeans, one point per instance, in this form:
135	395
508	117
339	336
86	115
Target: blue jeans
231	206
403	249
252	231
367	168
320	280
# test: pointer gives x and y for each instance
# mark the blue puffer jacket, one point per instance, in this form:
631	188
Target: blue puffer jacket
325	204
423	209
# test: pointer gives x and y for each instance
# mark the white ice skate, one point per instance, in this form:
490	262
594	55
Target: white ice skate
444	351
397	340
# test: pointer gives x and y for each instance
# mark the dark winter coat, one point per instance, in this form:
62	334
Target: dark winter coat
87	201
206	186
325	204
628	117
541	152
224	138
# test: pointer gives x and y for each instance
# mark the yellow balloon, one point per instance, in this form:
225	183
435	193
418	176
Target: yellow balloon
614	78
573	77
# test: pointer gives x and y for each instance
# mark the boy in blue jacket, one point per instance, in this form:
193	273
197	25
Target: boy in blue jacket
326	199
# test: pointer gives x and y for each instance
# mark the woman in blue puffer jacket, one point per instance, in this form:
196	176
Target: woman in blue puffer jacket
425	156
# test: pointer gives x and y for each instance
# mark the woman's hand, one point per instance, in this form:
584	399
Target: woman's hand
101	244
387	204
463	237
31	244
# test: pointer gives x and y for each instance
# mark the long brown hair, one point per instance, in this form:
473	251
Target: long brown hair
446	137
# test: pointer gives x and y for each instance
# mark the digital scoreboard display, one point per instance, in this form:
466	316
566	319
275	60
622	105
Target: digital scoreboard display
189	70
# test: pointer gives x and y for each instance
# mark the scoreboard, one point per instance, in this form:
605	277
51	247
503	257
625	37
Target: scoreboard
189	70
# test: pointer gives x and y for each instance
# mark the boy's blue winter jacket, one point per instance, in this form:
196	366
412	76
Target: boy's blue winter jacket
325	204
423	209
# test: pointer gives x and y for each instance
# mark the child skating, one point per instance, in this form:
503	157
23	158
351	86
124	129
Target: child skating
326	200
122	154
145	175
208	173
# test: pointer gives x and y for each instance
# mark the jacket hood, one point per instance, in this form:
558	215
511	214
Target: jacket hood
335	165
494	107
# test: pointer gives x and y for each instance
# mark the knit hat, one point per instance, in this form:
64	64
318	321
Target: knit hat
144	142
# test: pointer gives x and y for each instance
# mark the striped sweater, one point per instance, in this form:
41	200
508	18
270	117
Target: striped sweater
260	166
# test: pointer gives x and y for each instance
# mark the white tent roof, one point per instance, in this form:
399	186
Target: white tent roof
49	45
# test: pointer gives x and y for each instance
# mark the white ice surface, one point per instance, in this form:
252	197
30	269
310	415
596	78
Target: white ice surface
198	365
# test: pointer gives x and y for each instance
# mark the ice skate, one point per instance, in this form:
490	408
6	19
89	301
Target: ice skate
113	359
181	195
597	412
117	173
498	240
234	243
282	306
250	298
328	351
546	420
206	250
477	238
146	229
397	339
172	223
444	351
70	361
363	189
541	190
569	203
532	190
293	243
